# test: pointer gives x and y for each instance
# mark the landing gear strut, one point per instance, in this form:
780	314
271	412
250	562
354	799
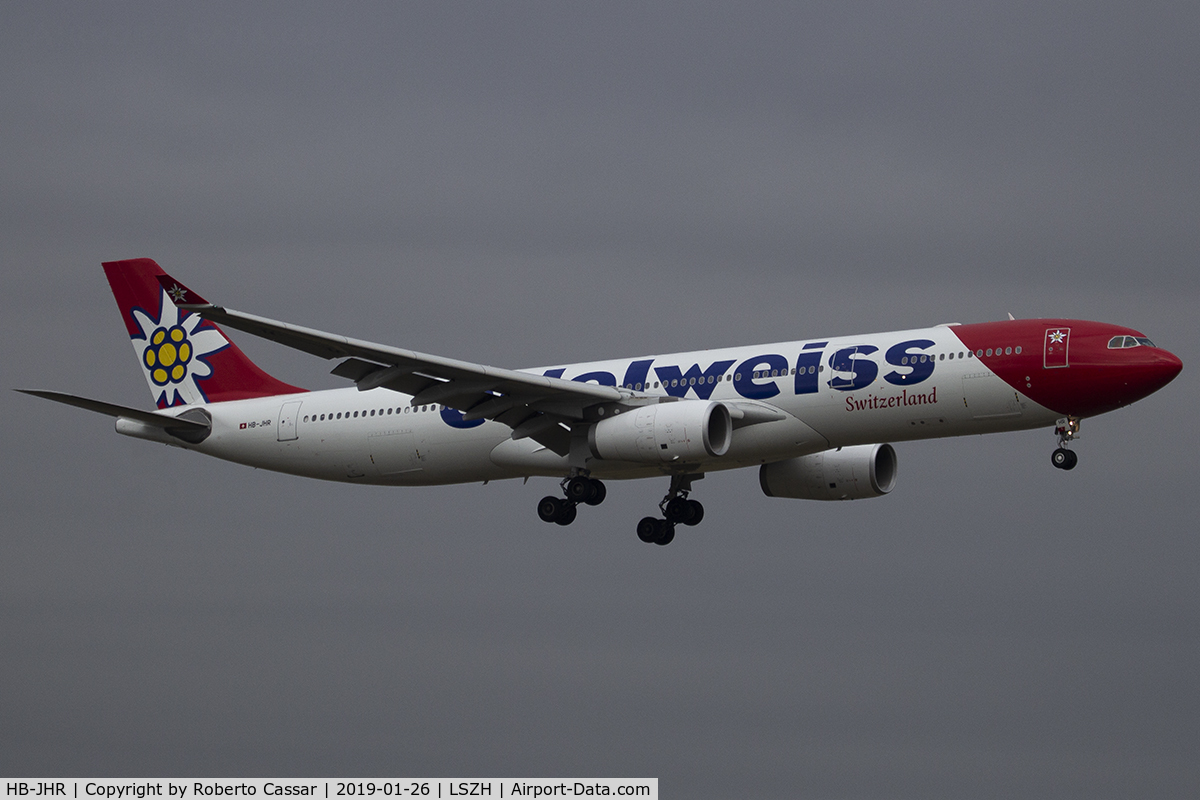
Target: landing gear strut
1067	429
676	508
577	489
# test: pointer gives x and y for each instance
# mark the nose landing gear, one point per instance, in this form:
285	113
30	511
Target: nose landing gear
1067	429
1064	458
676	508
577	489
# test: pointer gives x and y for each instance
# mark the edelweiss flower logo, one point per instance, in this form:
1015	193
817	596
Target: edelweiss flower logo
1057	337
168	355
171	351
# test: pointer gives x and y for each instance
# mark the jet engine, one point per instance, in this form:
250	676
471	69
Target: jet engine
847	473
685	430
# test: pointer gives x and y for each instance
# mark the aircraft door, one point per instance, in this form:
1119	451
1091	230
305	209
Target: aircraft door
1055	349
288	414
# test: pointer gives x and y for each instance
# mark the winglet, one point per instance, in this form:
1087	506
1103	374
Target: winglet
180	295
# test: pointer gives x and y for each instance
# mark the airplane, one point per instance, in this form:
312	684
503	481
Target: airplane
815	416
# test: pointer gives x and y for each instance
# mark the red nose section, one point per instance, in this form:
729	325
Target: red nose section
1161	370
1074	367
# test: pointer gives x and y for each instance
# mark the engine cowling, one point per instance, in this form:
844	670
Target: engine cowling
686	430
848	473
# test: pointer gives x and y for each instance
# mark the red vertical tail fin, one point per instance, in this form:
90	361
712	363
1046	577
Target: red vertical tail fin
186	359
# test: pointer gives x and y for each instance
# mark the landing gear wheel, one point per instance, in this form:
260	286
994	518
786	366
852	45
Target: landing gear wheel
697	513
667	535
678	510
648	529
579	489
1064	458
598	493
566	514
549	508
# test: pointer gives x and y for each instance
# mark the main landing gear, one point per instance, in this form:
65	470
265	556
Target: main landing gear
676	508
1067	429
577	489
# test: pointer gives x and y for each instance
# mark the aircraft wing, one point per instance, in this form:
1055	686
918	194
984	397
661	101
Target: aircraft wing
534	406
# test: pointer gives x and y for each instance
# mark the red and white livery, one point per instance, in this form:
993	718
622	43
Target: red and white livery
812	415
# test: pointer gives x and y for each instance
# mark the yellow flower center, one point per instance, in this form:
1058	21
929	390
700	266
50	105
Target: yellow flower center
167	355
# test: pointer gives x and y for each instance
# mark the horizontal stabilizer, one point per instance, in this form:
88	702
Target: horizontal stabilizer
186	429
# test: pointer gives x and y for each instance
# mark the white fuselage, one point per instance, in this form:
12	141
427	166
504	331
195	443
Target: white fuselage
826	400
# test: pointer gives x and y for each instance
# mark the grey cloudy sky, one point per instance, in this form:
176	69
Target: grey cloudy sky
524	184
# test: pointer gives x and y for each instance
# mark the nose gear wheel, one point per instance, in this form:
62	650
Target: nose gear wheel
1064	458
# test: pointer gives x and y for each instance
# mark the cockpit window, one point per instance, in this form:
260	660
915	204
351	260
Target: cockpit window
1122	342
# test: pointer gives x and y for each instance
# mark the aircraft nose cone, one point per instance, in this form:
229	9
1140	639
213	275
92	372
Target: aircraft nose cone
1155	372
1169	365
